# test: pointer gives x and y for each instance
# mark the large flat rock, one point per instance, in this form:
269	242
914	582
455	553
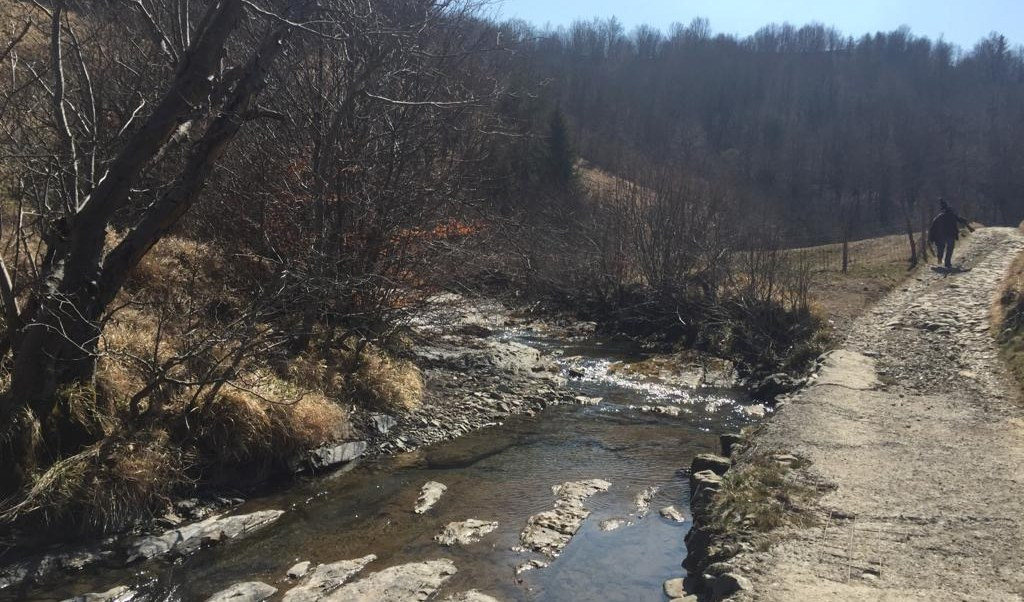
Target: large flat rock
412	582
550	531
252	591
327	578
192	538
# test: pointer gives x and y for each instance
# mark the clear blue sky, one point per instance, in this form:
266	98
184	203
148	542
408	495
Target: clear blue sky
962	22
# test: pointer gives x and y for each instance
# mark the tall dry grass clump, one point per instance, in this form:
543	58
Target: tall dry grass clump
387	383
243	428
108	487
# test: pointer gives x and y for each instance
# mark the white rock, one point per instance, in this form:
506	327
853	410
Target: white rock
673	514
298	570
404	583
531	565
674	588
253	591
326	578
465	532
429	496
611	524
549	532
642	501
191	538
120	593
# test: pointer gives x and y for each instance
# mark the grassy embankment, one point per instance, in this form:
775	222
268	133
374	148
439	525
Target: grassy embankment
276	408
1009	319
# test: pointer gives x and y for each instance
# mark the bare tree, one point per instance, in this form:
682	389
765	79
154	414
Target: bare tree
211	76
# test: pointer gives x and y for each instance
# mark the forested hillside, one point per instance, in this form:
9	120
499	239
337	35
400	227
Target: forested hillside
806	126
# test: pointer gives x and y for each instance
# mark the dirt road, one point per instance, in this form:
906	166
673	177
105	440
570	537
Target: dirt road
916	425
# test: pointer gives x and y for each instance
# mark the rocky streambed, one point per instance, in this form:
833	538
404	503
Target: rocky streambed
545	464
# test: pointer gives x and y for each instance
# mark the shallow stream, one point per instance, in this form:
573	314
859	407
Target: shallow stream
502	474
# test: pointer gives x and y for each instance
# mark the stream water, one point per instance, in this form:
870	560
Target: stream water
502	474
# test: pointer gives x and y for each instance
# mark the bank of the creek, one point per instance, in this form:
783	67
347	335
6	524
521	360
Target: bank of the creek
581	418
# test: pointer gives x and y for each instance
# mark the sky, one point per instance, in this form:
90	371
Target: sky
961	22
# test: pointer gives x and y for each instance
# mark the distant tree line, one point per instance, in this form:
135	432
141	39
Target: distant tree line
814	130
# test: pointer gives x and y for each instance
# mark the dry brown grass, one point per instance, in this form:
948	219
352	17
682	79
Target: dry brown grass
256	425
387	383
1008	318
107	487
244	427
838	298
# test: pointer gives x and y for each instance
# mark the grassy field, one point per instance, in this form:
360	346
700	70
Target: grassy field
876	266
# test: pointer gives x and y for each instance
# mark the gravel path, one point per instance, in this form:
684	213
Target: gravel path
918	428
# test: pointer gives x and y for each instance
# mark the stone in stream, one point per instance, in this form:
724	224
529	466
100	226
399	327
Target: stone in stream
611	524
549	532
191	538
775	385
298	570
716	464
253	591
120	593
465	532
643	501
729	443
674	588
330	456
470	596
408	582
673	514
531	565
326	578
429	496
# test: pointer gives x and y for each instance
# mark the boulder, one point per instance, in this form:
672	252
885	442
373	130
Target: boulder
325	579
703	480
673	514
191	538
330	456
729	442
716	464
298	570
728	584
773	386
465	532
674	588
429	495
253	591
642	501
